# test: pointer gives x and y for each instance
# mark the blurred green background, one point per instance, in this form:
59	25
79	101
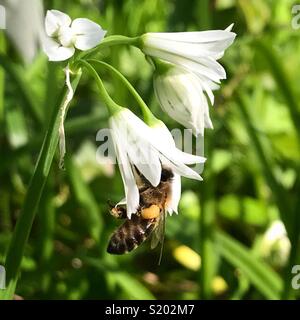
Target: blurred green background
237	232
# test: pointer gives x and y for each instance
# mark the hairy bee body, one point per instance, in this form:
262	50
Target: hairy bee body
148	217
130	234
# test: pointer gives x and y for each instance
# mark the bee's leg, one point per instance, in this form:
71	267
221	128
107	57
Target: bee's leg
151	212
116	211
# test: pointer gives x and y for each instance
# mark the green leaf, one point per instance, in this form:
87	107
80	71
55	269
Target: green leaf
266	281
279	193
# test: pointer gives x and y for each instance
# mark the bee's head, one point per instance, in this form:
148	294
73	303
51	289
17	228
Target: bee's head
166	174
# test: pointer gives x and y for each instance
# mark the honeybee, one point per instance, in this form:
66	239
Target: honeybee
149	218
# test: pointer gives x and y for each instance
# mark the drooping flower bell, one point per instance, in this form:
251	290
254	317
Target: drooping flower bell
195	51
181	95
148	148
63	35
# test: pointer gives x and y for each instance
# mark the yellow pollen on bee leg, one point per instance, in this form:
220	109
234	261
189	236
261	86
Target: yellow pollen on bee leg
150	213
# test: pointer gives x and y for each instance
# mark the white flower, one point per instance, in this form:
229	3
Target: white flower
181	95
195	51
147	149
64	35
275	244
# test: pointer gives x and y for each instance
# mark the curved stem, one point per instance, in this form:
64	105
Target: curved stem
110	41
109	102
147	114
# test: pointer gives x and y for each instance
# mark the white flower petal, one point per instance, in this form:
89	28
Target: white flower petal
163	141
204	43
195	36
229	28
181	169
131	189
54	20
88	33
188	158
206	84
189	63
140	151
185	171
147	162
66	36
175	194
55	51
181	96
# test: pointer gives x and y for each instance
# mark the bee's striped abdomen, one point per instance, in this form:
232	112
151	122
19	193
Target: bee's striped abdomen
130	235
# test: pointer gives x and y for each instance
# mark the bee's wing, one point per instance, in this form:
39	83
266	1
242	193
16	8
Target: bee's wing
158	232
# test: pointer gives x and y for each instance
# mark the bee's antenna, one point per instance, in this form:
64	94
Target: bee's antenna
110	204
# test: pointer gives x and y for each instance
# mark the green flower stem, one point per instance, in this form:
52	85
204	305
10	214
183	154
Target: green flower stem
159	65
207	246
109	102
32	199
108	42
207	226
147	114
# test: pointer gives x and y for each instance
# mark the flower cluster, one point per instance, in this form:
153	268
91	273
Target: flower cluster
186	73
185	80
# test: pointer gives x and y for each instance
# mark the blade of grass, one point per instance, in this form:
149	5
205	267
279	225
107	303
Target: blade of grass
5	223
266	281
129	285
278	191
31	202
294	258
288	215
2	76
46	235
133	288
282	80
